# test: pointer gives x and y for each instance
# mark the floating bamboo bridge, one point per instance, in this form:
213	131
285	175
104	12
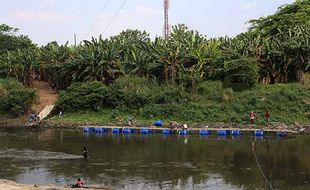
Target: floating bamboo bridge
182	131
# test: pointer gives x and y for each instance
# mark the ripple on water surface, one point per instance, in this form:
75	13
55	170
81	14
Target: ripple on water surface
27	154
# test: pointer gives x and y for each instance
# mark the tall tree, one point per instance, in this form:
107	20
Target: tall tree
287	17
10	41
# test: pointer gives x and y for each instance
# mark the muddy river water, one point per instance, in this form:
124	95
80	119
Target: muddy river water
154	161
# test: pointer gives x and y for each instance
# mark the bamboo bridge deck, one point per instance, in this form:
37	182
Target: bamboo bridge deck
196	130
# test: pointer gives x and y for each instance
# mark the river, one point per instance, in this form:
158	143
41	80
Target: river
154	161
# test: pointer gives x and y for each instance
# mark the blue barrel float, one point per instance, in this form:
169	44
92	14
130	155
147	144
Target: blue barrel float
166	132
100	130
281	134
259	133
127	130
204	132
184	132
145	131
235	132
222	132
116	130
86	129
159	123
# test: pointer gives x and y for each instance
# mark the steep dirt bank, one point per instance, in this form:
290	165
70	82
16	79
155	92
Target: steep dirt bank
45	95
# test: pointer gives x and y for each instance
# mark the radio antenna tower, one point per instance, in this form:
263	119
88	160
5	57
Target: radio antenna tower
166	19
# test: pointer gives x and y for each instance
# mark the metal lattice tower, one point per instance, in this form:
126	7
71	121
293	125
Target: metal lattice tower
166	19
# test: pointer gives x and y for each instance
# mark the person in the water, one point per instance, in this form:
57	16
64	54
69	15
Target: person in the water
85	152
78	184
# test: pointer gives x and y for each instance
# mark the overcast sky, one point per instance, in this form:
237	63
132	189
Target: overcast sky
48	20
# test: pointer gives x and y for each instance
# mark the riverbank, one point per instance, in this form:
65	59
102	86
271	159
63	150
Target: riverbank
65	122
11	185
7	184
213	104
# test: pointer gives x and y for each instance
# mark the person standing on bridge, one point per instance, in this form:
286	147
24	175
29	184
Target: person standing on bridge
129	121
60	114
36	116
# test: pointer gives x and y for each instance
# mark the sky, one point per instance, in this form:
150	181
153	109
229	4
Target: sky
58	20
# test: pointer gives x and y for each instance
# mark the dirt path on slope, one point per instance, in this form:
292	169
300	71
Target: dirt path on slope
45	95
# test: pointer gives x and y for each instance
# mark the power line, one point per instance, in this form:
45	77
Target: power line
98	17
114	17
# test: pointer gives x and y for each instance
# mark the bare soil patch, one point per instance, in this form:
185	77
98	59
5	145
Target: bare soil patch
45	94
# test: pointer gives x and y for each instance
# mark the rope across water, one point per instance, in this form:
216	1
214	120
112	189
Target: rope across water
259	167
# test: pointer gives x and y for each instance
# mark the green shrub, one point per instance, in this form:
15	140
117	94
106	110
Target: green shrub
214	91
169	93
127	92
210	88
211	103
241	72
85	96
15	99
136	90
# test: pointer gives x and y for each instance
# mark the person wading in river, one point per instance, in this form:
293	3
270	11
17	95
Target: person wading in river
78	184
85	152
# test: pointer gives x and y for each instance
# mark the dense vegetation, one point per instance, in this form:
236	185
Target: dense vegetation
173	77
148	101
15	98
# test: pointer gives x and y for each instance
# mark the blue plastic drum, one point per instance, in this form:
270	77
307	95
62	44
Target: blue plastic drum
222	132
235	132
116	130
259	133
167	132
204	132
86	130
127	130
145	131
281	134
159	123
184	132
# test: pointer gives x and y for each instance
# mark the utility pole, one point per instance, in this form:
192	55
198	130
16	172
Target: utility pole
74	40
166	19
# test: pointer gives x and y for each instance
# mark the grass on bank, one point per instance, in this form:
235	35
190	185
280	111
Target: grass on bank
210	103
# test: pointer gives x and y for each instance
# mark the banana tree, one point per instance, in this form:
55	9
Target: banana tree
53	58
169	56
20	64
96	60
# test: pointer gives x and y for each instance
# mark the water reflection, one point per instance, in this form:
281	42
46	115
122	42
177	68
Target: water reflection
235	137
222	137
259	138
134	161
204	137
